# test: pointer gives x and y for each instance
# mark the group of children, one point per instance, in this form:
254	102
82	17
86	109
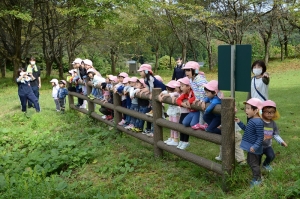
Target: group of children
193	89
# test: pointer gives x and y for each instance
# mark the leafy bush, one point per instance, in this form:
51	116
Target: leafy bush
165	61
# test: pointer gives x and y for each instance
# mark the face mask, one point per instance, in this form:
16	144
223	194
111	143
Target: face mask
257	71
32	62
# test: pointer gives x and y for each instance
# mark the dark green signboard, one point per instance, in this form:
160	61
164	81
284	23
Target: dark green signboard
243	54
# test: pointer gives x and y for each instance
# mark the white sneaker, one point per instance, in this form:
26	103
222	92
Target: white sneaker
218	158
122	122
184	145
172	143
168	140
103	117
179	144
129	126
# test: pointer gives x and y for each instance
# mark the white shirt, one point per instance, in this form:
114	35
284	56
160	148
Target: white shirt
261	87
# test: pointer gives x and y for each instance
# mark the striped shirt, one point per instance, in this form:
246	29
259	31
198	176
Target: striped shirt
253	136
197	86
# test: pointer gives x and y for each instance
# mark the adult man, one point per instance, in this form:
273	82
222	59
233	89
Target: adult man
36	83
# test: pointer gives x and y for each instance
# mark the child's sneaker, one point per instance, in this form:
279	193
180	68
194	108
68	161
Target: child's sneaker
179	144
168	140
150	113
172	143
138	130
150	134
219	158
103	117
109	117
184	145
145	132
129	126
267	168
122	122
199	126
254	183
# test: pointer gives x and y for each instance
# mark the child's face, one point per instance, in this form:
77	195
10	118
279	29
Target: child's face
142	74
209	94
268	113
132	84
107	80
188	73
53	84
61	85
139	85
107	97
120	78
75	66
177	89
185	88
90	75
250	112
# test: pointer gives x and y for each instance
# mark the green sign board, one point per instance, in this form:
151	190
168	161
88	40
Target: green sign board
242	71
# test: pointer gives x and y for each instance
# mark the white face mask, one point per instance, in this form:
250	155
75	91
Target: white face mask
32	62
257	71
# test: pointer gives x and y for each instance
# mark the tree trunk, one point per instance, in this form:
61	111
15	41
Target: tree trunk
156	57
3	68
286	52
281	52
267	51
48	68
184	49
113	58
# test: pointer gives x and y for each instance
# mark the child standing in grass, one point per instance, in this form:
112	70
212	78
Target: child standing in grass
61	94
173	111
55	88
253	138
269	114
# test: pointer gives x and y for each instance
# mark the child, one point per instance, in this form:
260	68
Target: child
107	113
125	91
95	79
269	114
239	153
214	97
260	81
55	88
253	138
173	111
192	117
61	95
197	79
134	102
121	77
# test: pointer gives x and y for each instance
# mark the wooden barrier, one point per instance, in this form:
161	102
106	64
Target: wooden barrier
227	139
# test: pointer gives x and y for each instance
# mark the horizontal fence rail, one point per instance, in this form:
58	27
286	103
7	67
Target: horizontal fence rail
226	140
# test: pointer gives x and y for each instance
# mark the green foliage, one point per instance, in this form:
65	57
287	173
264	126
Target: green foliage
256	42
164	62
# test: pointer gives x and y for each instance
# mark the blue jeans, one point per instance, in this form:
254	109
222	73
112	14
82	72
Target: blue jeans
191	119
213	121
97	93
133	107
270	155
138	122
36	92
29	97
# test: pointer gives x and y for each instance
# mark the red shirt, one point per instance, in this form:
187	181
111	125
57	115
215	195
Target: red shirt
187	96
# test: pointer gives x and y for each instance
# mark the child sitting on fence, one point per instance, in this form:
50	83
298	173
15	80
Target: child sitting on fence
269	114
190	119
125	92
95	80
173	110
119	87
61	95
134	102
55	88
213	120
108	114
253	138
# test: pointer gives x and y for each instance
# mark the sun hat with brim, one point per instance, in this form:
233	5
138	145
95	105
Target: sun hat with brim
114	79
77	61
142	81
91	70
144	67
88	62
254	102
270	103
63	82
176	84
54	81
185	81
158	78
123	74
133	79
191	65
125	80
171	84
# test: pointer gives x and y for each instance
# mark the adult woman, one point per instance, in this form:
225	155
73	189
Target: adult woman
24	90
178	73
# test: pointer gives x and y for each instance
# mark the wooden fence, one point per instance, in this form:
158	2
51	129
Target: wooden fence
227	139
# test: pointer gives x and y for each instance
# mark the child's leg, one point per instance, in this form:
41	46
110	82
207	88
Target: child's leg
134	107
195	118
270	155
239	153
254	162
125	106
23	100
57	104
183	137
215	121
201	121
35	101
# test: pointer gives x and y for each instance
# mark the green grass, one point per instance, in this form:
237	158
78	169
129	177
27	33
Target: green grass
51	155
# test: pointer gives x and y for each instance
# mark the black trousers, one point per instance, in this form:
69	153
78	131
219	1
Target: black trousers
254	161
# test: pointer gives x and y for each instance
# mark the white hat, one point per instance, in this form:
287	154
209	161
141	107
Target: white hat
54	81
77	61
88	62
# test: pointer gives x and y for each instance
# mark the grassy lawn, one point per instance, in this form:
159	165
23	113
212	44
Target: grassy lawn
50	155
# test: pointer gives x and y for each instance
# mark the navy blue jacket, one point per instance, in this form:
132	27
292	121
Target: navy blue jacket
178	72
24	88
154	84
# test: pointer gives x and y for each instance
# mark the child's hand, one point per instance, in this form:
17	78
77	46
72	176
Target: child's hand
237	120
252	149
284	144
160	97
203	106
174	99
188	105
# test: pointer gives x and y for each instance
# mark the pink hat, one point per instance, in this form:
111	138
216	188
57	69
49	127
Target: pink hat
212	86
185	80
269	103
191	65
158	78
114	79
176	84
144	67
88	62
123	74
77	61
106	93
254	102
63	82
125	80
142	82
133	79
171	84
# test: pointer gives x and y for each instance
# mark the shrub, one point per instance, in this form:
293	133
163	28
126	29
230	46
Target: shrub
165	61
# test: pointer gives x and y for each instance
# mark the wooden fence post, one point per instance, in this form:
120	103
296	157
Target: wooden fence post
91	105
117	115
70	97
228	140
157	114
